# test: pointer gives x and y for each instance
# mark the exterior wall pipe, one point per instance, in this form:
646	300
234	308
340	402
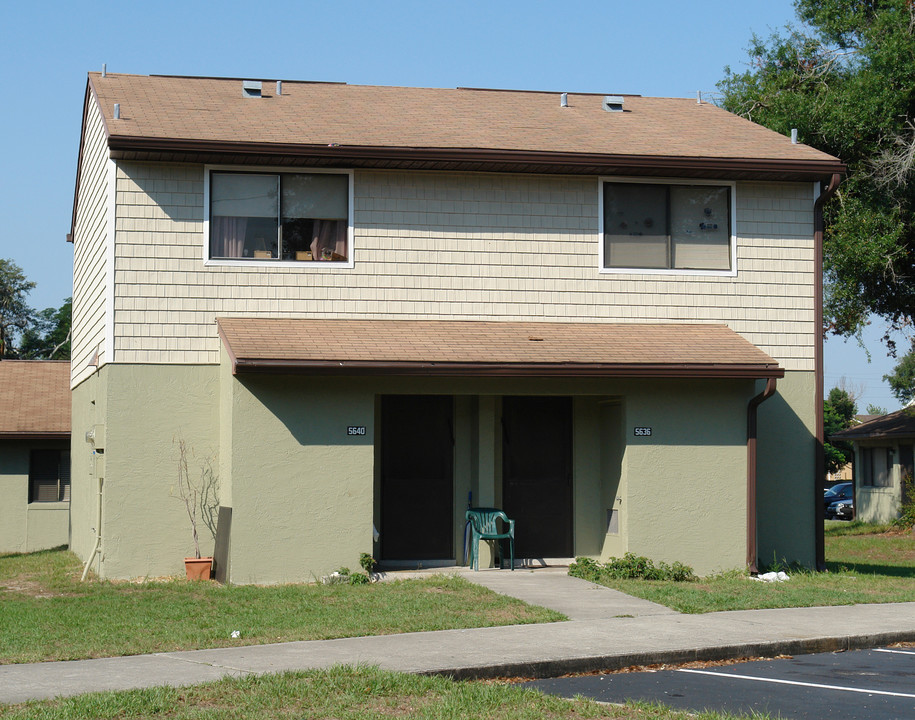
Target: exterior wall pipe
752	407
819	470
98	532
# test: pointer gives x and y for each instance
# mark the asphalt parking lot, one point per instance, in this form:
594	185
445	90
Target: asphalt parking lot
872	684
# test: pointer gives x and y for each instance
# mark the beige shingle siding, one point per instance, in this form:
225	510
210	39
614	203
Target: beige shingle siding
89	247
452	246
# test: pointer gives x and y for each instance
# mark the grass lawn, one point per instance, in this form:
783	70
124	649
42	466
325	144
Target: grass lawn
866	563
344	693
47	614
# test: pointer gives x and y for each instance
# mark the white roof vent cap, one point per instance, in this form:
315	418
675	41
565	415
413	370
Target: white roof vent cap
613	103
251	88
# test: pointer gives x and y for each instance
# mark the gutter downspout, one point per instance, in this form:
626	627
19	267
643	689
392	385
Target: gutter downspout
751	473
819	470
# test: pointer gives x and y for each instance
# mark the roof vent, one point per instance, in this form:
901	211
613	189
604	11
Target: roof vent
251	88
613	103
564	100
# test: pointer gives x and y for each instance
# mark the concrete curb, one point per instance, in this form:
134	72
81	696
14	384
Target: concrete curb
598	663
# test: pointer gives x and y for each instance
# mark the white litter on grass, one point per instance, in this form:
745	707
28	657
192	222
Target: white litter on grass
236	633
335	578
771	577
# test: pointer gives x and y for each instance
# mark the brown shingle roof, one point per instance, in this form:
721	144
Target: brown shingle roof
34	398
897	424
450	348
339	122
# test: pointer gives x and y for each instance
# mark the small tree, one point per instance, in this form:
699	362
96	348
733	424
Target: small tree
48	336
838	413
200	494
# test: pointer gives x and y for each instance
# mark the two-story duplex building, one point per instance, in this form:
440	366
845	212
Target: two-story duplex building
597	312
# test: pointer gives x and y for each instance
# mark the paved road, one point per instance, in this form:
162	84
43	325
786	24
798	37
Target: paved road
872	684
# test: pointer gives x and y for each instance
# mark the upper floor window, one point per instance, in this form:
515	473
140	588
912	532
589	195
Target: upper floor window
298	217
49	476
667	227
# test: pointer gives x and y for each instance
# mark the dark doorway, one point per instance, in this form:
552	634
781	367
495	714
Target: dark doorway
416	477
537	474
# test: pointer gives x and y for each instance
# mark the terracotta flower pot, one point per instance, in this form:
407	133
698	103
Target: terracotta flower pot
198	568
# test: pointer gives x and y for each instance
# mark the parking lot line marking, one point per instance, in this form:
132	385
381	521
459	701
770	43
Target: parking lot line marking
795	682
898	652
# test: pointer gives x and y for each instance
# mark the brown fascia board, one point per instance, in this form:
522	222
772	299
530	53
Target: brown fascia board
35	435
151	147
79	161
445	369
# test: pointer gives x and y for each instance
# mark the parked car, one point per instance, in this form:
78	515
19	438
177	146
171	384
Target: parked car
839	491
841	510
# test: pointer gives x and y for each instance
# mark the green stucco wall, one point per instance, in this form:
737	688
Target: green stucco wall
139	413
24	526
304	494
786	487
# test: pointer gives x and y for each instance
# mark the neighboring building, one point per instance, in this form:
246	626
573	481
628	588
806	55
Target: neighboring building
368	302
883	457
34	455
846	473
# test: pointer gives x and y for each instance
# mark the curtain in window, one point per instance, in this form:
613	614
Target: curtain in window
228	236
329	240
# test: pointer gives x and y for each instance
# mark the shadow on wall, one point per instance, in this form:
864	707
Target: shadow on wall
176	190
317	411
785	489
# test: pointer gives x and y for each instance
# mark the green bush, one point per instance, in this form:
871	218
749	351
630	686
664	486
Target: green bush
630	567
368	563
907	508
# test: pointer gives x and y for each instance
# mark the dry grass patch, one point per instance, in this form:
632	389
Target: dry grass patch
47	614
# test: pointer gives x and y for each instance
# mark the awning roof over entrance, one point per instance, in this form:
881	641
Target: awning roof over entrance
472	348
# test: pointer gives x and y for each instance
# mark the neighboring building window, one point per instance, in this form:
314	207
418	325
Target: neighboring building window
49	476
877	466
300	217
655	226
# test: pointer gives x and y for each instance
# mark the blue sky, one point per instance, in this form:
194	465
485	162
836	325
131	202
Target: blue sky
661	48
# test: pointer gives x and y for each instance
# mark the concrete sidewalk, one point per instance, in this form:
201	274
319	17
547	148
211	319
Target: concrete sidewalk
607	630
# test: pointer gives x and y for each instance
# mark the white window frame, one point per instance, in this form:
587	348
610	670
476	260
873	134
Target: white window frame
601	181
278	262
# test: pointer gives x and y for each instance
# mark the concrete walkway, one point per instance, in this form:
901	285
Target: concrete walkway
607	630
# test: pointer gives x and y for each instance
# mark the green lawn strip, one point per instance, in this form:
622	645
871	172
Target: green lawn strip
867	564
47	614
343	693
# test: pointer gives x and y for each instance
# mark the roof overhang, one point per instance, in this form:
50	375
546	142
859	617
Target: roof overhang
490	349
899	424
465	159
34	436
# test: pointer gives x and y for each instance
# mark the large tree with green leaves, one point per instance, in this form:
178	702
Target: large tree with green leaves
845	78
902	379
15	313
839	411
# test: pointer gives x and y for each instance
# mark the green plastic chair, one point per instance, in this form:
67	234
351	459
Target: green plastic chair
483	526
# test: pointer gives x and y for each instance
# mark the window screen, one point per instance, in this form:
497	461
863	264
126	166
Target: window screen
677	227
49	476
